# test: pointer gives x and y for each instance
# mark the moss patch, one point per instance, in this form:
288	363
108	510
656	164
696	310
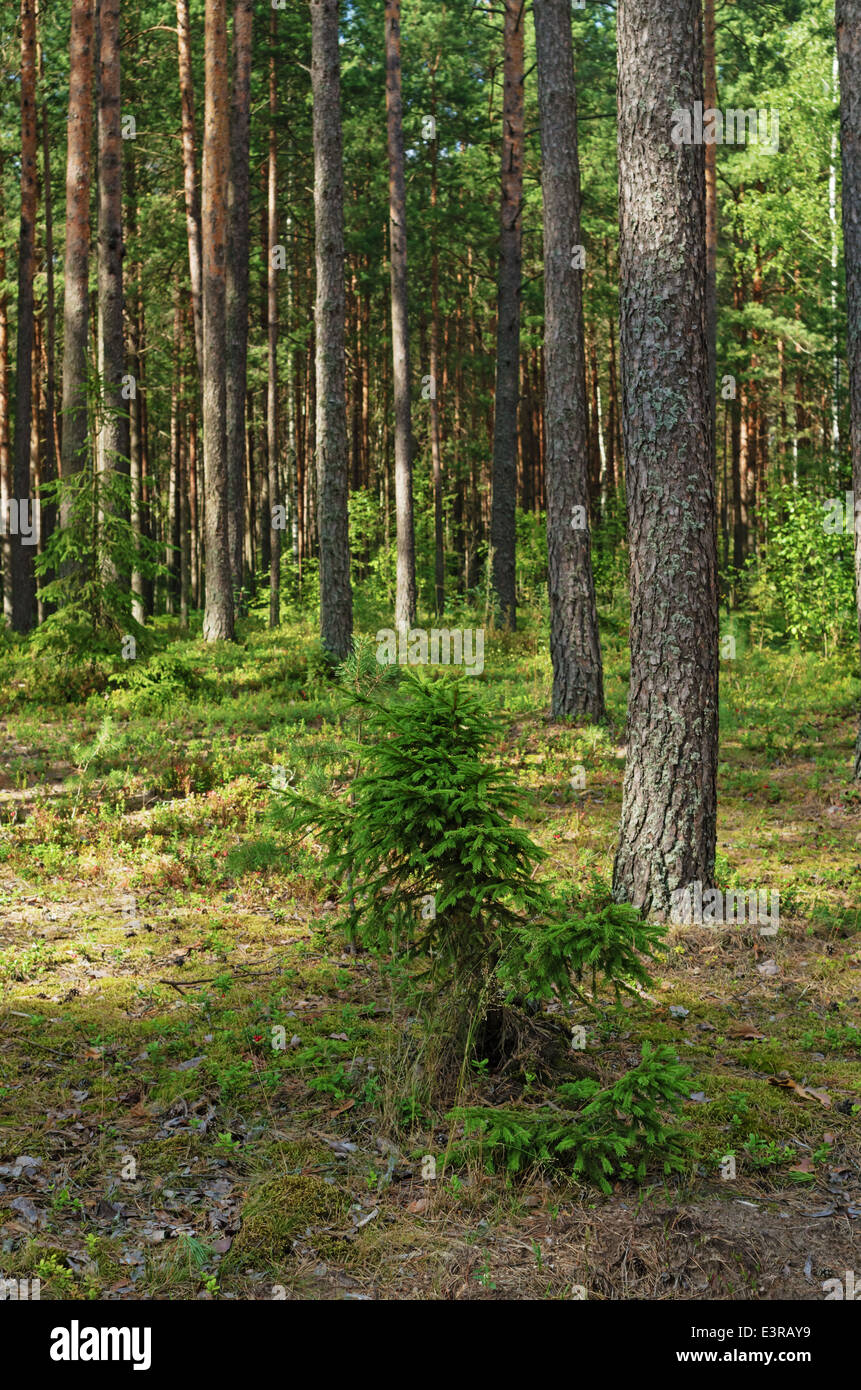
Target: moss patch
283	1211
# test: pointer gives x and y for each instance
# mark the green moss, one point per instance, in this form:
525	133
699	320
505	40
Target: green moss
283	1211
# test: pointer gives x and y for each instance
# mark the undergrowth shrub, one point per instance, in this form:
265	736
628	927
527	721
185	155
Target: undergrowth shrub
595	1134
581	936
150	686
423	838
435	877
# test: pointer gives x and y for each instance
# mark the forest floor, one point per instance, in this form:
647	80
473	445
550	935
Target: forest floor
154	929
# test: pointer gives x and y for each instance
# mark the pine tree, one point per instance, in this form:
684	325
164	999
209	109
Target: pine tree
502	524
848	17
405	600
336	603
575	650
218	615
668	826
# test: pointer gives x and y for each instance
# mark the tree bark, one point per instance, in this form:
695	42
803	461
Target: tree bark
171	558
114	430
578	684
77	254
5	457
503	515
272	342
667	834
49	467
336	600
436	449
134	316
218	610
848	19
710	103
405	596
189	169
23	582
237	287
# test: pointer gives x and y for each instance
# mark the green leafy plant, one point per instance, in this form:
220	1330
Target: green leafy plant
161	681
595	1134
86	566
584	937
423	840
805	572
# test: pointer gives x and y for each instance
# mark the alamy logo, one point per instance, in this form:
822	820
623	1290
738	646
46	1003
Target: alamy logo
736	127
840	517
838	1290
20	519
76	1343
414	646
691	906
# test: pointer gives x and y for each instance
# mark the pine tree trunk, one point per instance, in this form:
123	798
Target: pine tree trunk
578	684
250	491
436	449
503	515
37	425
848	17
114	432
710	102
272	344
23	583
405	597
50	463
612	413
336	600
218	611
667	834
237	287
189	169
194	521
170	556
134	309
76	267
5	456
147	487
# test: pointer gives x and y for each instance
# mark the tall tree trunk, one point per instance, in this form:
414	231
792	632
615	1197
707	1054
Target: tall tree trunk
578	684
436	450
250	491
218	611
134	314
113	435
667	833
272	343
171	559
194	520
612	412
37	425
237	287
189	170
848	16
336	600
184	541
740	447
147	488
5	469
594	417
77	255
503	515
710	102
405	597
49	468
23	583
